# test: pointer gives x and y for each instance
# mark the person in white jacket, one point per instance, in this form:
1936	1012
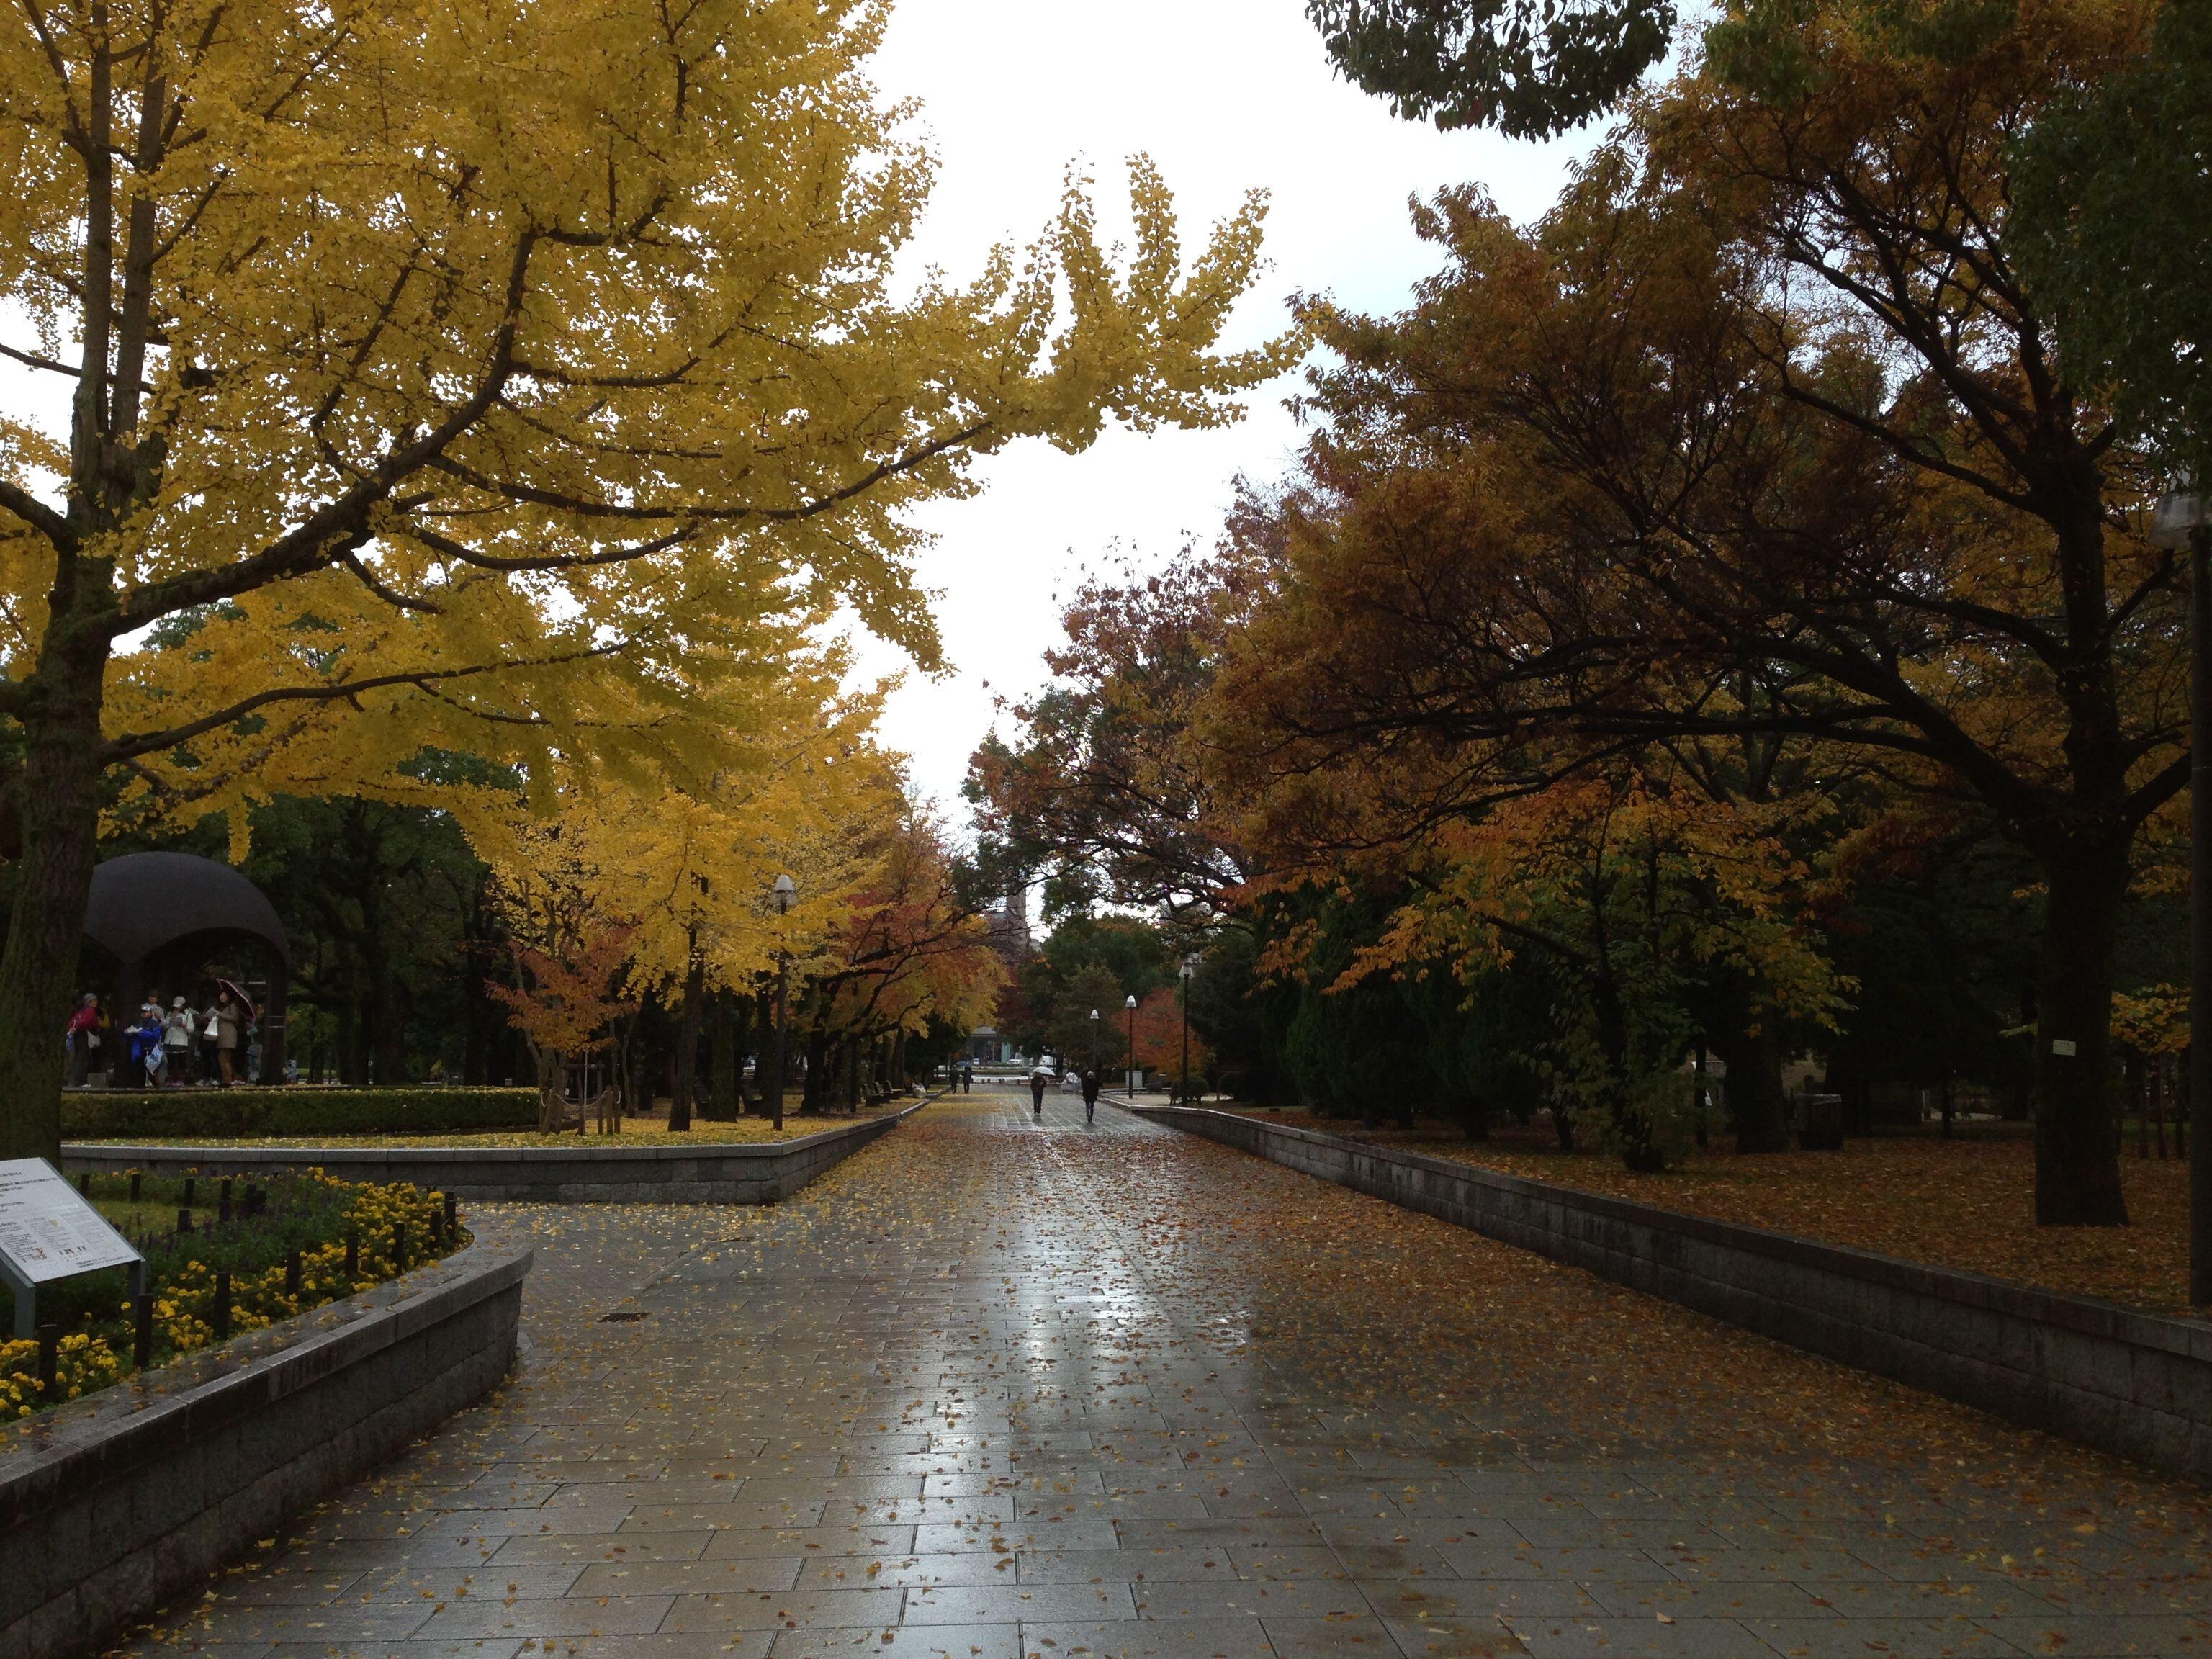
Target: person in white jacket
177	1030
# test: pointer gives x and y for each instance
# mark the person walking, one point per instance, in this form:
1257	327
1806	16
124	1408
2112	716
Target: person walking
1090	1092
178	1031
1037	1081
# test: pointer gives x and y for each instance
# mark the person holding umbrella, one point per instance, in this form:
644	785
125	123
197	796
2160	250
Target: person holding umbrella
223	1021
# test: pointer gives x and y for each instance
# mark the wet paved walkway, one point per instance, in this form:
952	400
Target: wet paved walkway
1076	1391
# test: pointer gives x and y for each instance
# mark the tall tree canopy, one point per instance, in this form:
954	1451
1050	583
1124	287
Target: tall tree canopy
1531	67
2114	214
1746	502
492	373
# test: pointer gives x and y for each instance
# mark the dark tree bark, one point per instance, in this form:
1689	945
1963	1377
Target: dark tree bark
815	1095
687	1045
725	1045
58	806
2077	1137
1756	1104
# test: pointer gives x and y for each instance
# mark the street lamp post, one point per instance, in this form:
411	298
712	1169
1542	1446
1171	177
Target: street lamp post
1095	1050
784	888
2179	522
1129	1076
1189	964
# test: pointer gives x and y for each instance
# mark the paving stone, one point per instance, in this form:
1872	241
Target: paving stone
1322	1638
984	1604
801	1608
753	1576
1132	1638
2079	1634
1640	1639
995	1388
540	1616
904	1642
1250	1598
907	1571
715	1644
1155	1565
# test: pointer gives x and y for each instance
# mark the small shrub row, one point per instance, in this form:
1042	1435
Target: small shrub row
346	1238
192	1113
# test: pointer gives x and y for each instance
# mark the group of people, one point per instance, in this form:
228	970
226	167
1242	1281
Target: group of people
160	1047
1041	1079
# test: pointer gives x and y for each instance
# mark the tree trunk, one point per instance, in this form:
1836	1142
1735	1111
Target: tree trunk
2077	1143
58	802
552	1078
1756	1103
814	1094
726	1097
687	1048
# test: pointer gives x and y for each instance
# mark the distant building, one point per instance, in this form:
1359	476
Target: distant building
1009	924
984	1049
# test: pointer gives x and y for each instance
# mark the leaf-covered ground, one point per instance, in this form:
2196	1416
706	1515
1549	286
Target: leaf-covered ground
1064	1391
1966	1203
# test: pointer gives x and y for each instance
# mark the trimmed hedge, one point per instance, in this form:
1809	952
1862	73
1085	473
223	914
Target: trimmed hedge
170	1114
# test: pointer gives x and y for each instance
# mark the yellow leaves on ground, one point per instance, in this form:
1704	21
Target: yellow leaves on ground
1968	1203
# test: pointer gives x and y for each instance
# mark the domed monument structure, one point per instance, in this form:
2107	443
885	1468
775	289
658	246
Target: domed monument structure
164	915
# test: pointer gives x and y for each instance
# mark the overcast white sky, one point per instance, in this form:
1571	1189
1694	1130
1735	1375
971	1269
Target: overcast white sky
1226	94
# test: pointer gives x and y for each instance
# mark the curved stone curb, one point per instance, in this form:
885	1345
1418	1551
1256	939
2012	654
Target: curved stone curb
731	1173
112	1506
2109	1376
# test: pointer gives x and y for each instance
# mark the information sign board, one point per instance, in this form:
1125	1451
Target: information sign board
47	1230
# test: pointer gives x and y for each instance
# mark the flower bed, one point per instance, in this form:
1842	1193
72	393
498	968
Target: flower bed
286	1245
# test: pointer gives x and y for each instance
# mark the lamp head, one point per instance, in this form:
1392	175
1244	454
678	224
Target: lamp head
784	888
1094	1013
2180	513
1129	1001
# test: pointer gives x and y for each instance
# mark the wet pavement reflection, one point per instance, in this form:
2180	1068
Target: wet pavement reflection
998	1387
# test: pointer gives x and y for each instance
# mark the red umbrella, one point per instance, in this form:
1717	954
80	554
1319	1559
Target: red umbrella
244	1001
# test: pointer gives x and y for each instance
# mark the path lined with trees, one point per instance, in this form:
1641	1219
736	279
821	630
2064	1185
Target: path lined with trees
991	1386
1718	619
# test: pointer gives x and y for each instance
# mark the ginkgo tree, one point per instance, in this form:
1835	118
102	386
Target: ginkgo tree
656	883
449	374
906	946
680	859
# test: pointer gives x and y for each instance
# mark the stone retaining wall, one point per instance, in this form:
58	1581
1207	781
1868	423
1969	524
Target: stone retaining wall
755	1172
2128	1381
114	1505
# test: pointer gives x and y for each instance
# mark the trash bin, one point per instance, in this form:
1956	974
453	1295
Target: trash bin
1820	1122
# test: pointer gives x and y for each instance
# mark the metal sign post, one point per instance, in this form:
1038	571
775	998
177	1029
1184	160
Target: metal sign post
49	1232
